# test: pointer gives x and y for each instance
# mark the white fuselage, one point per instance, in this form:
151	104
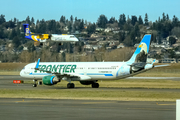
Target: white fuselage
85	70
63	38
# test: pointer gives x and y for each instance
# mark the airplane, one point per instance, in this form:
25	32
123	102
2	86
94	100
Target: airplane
88	73
44	37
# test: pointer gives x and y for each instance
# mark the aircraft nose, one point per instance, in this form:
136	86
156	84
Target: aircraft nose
21	73
76	39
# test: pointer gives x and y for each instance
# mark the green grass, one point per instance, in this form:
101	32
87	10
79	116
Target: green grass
91	95
109	90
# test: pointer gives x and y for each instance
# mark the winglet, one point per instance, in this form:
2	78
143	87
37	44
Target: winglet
37	65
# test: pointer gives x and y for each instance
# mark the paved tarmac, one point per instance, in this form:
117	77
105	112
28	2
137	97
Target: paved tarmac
45	109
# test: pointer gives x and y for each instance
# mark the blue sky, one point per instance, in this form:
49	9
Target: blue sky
88	10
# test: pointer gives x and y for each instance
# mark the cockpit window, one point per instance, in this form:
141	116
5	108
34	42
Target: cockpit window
23	68
72	37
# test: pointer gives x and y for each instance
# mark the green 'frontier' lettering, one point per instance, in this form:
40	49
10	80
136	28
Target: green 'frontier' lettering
64	68
48	68
60	68
73	67
54	68
67	68
43	67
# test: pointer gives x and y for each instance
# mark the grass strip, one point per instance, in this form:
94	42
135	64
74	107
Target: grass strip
121	95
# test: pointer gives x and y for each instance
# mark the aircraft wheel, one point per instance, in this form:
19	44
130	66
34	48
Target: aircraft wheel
34	85
39	82
95	85
70	85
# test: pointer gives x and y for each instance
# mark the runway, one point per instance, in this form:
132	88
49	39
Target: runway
44	109
81	109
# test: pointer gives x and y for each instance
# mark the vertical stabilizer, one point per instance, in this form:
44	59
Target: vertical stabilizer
26	29
140	55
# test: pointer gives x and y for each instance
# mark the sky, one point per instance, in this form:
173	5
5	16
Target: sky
89	10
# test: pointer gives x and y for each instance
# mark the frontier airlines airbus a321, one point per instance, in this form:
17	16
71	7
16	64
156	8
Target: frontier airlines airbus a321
88	73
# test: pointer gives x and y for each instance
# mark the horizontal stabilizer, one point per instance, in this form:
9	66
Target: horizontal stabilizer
162	65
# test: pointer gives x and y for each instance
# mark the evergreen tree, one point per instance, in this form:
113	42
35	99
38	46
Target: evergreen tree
28	20
140	21
71	19
16	41
91	28
112	20
81	26
102	21
32	20
146	20
2	19
167	17
133	20
175	21
13	34
163	17
122	20
63	19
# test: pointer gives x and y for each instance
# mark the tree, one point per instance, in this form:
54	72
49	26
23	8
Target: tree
2	19
69	26
102	21
71	19
122	20
16	41
28	20
133	20
176	31
128	41
140	21
1	33
167	17
172	40
13	34
32	20
146	20
175	21
63	19
81	25
52	26
163	17
112	20
91	28
121	37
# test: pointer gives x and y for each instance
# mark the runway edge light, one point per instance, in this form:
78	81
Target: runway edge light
178	109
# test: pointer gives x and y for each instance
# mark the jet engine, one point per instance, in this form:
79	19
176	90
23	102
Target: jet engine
50	80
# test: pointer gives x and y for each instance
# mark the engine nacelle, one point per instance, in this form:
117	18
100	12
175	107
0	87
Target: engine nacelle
148	66
50	80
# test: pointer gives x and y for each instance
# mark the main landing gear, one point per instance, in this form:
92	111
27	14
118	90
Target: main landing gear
39	83
70	85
